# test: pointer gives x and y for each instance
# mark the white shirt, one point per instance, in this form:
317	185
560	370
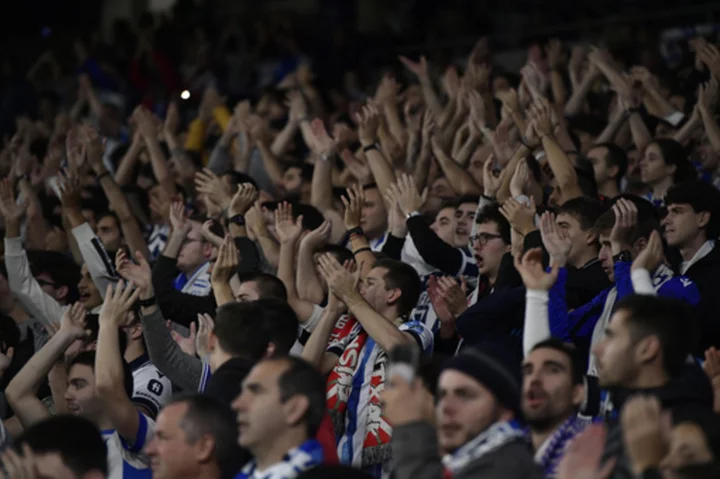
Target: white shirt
126	461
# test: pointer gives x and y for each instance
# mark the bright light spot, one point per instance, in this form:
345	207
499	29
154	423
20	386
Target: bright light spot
185	95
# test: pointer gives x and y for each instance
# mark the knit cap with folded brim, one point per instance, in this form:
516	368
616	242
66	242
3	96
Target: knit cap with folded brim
491	373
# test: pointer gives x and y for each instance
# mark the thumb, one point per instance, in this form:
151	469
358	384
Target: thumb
10	353
299	220
193	330
140	258
463	284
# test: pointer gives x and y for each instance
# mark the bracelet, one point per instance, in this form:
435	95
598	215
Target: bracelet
102	175
146	303
356	231
238	220
374	146
412	213
358	251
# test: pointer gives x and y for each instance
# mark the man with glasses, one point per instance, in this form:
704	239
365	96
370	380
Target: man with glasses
193	261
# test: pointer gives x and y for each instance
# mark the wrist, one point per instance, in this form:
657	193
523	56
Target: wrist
559	260
147	293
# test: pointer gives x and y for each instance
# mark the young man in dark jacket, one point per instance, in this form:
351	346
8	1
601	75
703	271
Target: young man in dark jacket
645	351
692	225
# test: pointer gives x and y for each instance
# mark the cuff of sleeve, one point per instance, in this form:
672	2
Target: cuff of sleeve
642	281
538	294
14	247
83	233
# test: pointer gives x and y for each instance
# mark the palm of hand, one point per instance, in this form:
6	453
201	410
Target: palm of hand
136	273
288	230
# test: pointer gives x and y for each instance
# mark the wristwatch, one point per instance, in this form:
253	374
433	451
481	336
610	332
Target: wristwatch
623	256
374	146
413	213
238	220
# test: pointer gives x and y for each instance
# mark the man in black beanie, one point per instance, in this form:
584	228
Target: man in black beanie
475	423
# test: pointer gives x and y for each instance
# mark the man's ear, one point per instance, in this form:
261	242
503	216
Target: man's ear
61	293
703	218
613	171
394	295
647	349
578	394
295	409
591	238
640	244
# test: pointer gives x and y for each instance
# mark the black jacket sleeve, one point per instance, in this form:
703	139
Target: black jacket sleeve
393	247
180	307
433	250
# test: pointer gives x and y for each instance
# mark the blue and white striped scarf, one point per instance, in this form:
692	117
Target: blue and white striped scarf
488	441
549	454
308	455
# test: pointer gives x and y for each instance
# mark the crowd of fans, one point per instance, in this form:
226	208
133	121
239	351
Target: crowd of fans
475	274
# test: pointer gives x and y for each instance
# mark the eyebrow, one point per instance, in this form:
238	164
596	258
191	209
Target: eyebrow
550	362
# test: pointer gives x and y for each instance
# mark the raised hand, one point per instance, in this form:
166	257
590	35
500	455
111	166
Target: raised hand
139	274
5	358
94	148
650	257
520	179
244	198
625	221
202	341
554	53
439	304
646	439
322	144
520	216
397	224
542	119
187	345
359	169
387	91
407	195
353	206
226	263
72	321
509	100
179	219
317	237
19	466
477	109
454	294
10	209
211	237
340	281
491	183
368	123
287	229
69	186
119	301
533	273
208	183
419	68
582	457
557	245
172	119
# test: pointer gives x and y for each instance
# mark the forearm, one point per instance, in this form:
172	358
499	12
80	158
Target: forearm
537	324
109	374
222	292
562	168
558	89
27	382
321	189
460	180
286	268
711	129
380	168
159	164
272	165
503	192
381	329
98	262
219	162
664	108
577	99
422	167
364	257
431	98
686	131
126	168
317	343
283	139
270	249
394	124
172	248
640	133
307	281
467	150
608	134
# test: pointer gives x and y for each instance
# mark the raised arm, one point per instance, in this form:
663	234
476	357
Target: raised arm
225	267
289	232
324	148
460	180
538	284
109	371
369	122
420	69
306	278
22	390
160	166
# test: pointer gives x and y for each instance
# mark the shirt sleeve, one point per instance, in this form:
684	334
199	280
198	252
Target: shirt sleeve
25	287
680	287
151	389
341	335
146	429
98	262
314	319
422	335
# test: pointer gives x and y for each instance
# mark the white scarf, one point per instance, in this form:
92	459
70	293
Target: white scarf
484	443
662	272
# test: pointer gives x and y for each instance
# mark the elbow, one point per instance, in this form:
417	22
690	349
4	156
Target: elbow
106	387
13	394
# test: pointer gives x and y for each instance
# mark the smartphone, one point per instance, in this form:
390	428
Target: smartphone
404	361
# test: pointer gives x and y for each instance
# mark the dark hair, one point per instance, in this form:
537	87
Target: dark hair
585	210
491	214
207	415
673	153
282	322
240	329
75	439
241	178
87	358
615	156
702	197
306	171
303	379
312	217
577	368
341	253
112	215
269	286
467	199
403	277
670	320
62	270
647	218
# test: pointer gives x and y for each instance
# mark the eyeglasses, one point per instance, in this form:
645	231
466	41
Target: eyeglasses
483	238
187	241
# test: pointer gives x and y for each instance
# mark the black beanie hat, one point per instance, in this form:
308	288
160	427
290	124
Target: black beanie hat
491	374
